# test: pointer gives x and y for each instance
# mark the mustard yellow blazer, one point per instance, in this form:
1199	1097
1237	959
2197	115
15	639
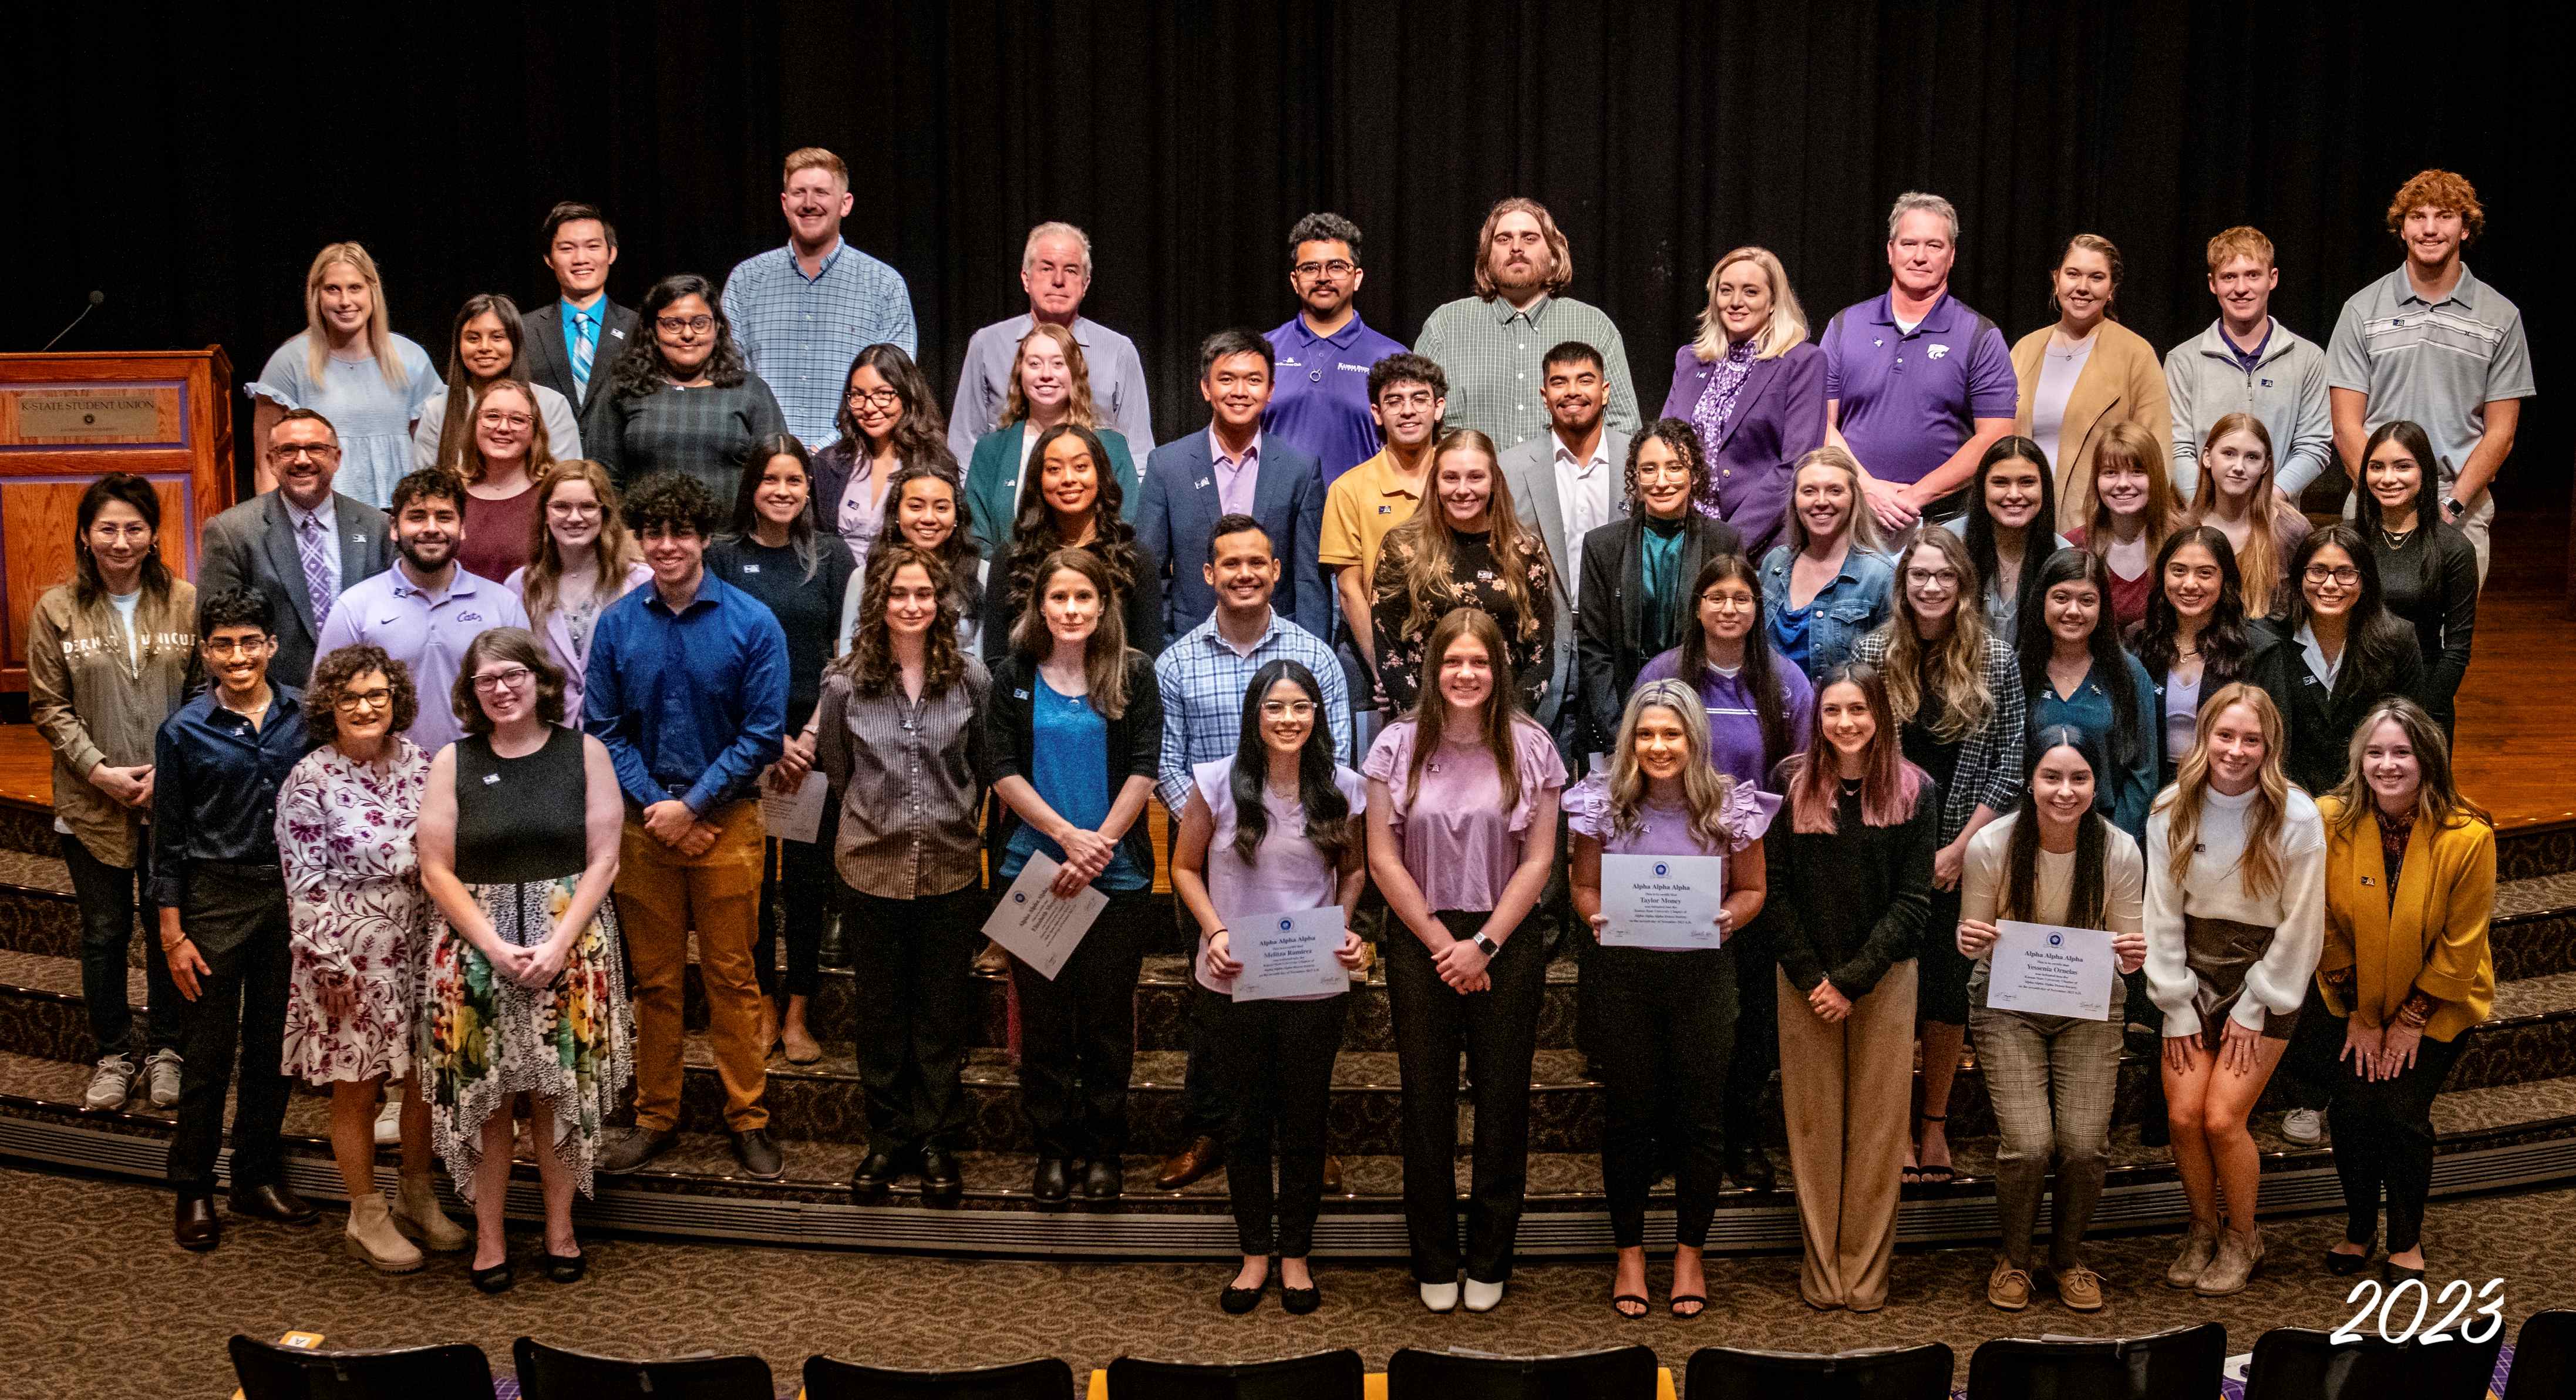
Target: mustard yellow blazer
2433	938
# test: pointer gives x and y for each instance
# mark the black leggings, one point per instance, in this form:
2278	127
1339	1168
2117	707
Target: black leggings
2383	1137
1274	1072
1666	1024
1498	1029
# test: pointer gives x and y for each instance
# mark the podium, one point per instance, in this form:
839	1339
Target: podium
68	419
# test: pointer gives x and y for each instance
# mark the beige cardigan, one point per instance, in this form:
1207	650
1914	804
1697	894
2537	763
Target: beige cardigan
2122	382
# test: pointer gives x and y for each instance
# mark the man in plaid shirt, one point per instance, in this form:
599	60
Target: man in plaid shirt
801	313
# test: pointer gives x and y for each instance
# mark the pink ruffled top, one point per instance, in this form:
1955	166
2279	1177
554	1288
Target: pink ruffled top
1460	843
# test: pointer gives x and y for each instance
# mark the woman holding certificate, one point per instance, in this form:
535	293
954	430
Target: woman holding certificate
2410	890
1461	837
2235	918
2057	861
1271	833
1076	729
1665	996
1852	878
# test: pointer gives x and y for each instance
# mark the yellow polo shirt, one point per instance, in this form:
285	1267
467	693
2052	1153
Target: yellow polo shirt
1365	503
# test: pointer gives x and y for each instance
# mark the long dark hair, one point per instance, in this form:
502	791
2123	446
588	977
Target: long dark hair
921	434
87	586
2088	896
2038	537
1104	655
1033	532
2429	523
641	370
456	424
2375	643
2224	644
1328	812
2038	641
1761	673
801	534
958	552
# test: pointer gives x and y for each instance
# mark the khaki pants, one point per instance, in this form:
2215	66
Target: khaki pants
1846	1087
661	896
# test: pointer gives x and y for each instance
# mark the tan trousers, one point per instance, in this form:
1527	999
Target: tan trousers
1846	1087
661	896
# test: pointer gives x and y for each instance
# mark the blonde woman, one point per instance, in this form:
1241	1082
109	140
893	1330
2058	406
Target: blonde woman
500	463
1050	386
348	366
580	560
2085	373
1824	586
1465	548
2235	919
2236	497
1753	386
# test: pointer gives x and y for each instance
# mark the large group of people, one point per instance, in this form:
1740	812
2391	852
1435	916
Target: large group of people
448	765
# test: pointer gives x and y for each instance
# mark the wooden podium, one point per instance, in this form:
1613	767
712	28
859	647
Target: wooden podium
65	421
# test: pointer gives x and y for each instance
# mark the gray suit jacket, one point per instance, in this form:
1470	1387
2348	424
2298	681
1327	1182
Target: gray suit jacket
542	359
1529	470
252	546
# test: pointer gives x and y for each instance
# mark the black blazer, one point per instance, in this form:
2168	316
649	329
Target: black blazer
1610	645
2321	724
1135	739
542	359
1141	609
2269	659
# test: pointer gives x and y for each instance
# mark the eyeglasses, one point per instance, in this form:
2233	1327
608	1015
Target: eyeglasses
235	646
873	398
506	420
1292	709
494	682
573	510
298	451
356	700
1336	269
1715	599
1944	577
2346	576
676	324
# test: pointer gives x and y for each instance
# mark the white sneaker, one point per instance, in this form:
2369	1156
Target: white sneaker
1440	1297
1483	1297
110	1084
2304	1126
162	1068
389	1118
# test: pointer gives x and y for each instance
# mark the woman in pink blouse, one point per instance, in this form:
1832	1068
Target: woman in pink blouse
345	825
1461	816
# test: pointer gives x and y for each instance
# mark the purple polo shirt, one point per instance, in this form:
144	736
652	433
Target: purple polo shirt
1908	400
1319	400
427	633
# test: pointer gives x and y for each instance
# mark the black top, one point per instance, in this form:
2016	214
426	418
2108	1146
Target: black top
1850	905
2430	582
808	609
521	819
1135	738
214	786
1614	638
1924	747
2267	665
2321	724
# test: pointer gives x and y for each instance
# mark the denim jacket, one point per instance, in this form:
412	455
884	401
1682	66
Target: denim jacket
1843	612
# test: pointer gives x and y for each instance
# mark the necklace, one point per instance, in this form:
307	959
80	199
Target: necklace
2396	539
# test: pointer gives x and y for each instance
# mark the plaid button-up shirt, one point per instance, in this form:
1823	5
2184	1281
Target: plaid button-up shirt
1202	679
1491	351
801	333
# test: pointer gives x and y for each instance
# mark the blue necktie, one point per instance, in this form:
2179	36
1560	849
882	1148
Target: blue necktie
583	348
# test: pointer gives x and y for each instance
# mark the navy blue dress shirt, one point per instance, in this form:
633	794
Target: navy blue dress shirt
691	704
214	786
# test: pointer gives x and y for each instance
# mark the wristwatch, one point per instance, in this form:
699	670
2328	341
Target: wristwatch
2451	507
1487	946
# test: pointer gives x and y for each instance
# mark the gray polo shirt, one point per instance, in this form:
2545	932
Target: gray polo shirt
2438	364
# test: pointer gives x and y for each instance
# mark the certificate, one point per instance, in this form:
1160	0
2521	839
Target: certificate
2045	970
1288	955
798	815
1034	926
1667	902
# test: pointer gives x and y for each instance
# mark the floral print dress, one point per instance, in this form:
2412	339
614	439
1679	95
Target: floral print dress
346	837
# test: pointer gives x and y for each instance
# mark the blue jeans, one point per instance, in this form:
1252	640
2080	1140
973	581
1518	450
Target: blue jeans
110	897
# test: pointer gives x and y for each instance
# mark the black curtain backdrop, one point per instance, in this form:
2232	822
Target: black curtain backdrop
188	162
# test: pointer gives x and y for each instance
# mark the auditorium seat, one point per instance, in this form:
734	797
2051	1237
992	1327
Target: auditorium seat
2301	1363
1325	1375
2544	1357
1620	1373
1044	1379
552	1373
2183	1364
272	1372
1878	1373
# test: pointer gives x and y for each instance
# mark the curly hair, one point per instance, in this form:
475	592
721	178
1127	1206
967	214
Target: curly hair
1683	439
641	370
1705	786
506	644
1954	665
666	500
1419	557
869	663
2442	190
330	681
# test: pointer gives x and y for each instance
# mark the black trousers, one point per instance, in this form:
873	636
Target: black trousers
1757	1031
236	916
913	964
1274	1065
796	896
1498	1029
1207	1105
2309	1067
2383	1138
1078	1036
110	896
1667	1030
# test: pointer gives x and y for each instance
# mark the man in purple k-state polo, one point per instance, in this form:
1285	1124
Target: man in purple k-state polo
1319	402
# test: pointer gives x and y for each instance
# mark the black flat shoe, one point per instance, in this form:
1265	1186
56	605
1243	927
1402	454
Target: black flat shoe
1238	1301
2343	1265
567	1268
1300	1301
500	1278
875	1173
1053	1184
1103	1178
1751	1169
2392	1274
939	1173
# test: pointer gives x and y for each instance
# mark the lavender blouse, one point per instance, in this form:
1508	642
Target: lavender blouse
1288	875
1460	842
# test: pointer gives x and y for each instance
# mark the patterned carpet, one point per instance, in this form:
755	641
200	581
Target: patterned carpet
98	1304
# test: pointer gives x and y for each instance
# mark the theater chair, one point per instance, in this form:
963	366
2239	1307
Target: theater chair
1620	1373
2301	1363
551	1373
1880	1373
272	1372
1042	1379
1326	1375
2182	1364
2544	1357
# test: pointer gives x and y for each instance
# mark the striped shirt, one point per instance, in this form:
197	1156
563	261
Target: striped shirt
800	333
1202	679
2436	364
1491	351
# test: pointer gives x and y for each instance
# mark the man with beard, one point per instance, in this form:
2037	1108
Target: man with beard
298	545
1492	344
1320	405
425	609
804	311
1565	484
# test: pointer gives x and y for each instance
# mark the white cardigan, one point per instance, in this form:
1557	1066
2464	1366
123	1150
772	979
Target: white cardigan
2278	981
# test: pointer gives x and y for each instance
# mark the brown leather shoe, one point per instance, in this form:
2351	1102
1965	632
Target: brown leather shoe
1202	1156
195	1225
1332	1174
274	1203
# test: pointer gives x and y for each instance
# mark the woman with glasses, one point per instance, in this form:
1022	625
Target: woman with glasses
500	465
889	422
582	560
681	397
487	341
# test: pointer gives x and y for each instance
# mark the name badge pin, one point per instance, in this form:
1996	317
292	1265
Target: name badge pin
490	778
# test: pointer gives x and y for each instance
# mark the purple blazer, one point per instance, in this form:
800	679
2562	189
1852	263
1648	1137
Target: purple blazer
1779	417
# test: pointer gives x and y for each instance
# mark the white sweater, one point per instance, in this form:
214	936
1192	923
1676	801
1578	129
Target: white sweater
2278	981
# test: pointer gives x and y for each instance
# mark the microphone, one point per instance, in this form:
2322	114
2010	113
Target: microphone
96	300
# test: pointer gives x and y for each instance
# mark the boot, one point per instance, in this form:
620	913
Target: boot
2240	1253
416	1213
372	1236
2199	1248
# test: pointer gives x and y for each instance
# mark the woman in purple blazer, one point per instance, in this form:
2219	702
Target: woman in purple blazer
1753	384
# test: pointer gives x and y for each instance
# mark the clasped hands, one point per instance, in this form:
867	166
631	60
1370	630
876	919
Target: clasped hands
670	822
2380	1052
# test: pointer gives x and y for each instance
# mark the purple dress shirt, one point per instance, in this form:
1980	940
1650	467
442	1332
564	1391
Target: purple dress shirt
1237	478
1319	400
1778	416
